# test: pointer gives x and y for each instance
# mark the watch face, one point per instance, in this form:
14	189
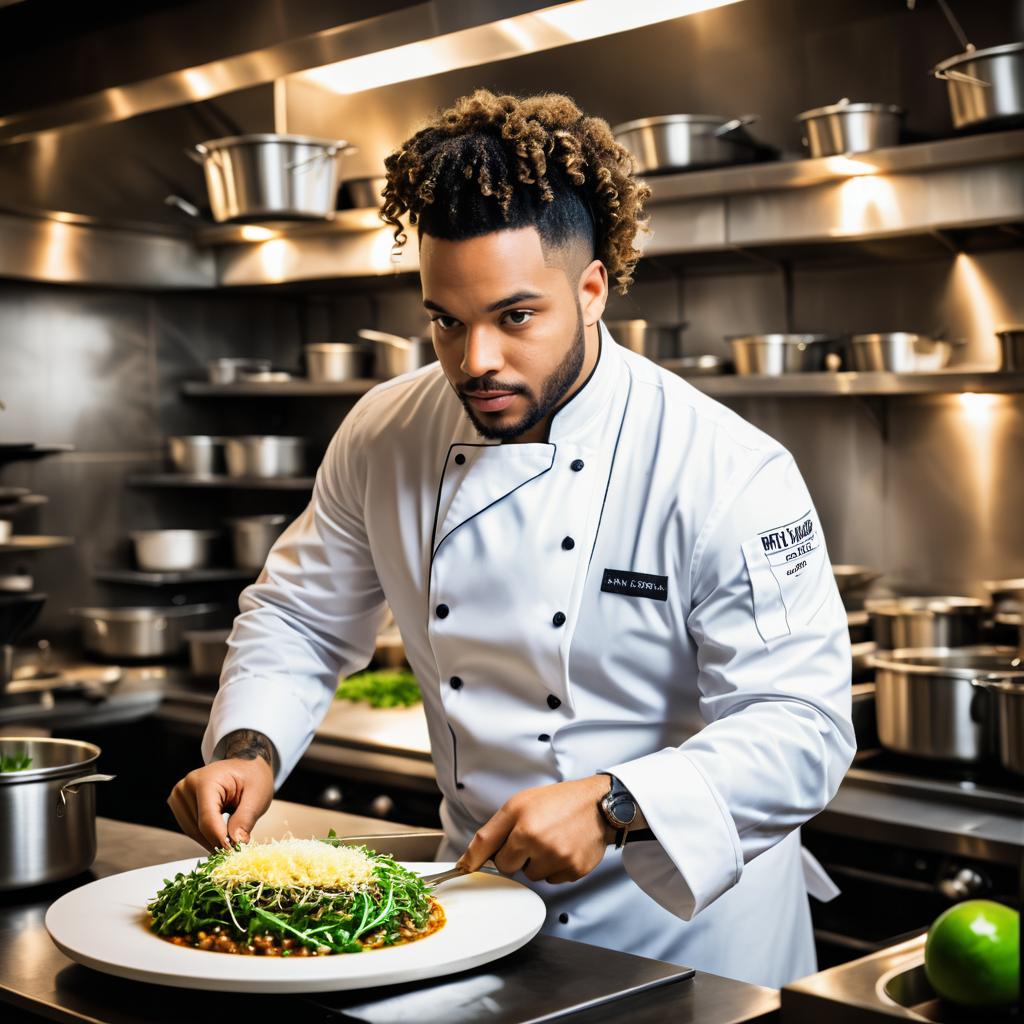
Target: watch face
621	812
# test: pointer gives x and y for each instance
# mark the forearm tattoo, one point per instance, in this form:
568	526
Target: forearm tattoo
248	744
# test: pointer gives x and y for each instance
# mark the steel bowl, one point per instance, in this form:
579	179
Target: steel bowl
846	127
172	550
207	649
227	371
138	633
654	340
1011	348
985	86
197	454
685	142
898	352
331	362
272	176
918	622
929	701
777	354
252	537
48	811
264	456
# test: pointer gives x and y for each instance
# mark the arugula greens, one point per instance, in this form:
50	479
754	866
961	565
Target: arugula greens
15	762
383	688
324	920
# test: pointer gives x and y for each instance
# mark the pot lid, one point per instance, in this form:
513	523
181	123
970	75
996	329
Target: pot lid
295	140
651	122
969	55
844	106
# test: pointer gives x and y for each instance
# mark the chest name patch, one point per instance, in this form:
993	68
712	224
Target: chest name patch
635	584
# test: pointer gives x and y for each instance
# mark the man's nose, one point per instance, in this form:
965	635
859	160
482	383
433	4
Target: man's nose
482	353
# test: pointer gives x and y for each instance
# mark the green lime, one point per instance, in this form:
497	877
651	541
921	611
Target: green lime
972	955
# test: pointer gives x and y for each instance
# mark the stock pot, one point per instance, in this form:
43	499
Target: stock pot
985	86
926	621
48	811
684	142
846	127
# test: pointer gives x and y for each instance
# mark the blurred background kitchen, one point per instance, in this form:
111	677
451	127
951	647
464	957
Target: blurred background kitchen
837	253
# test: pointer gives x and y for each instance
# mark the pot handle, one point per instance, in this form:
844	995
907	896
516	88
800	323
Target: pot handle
329	153
734	125
950	74
197	153
72	789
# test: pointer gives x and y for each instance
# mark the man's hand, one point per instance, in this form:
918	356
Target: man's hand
242	783
556	832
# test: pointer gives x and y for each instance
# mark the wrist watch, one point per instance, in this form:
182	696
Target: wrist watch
620	811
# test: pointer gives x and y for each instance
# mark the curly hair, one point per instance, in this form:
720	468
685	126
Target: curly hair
493	162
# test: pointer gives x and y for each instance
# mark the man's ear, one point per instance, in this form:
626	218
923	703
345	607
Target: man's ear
593	291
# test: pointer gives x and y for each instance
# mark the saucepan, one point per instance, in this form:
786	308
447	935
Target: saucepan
900	352
47	810
138	633
902	622
686	142
332	362
776	354
396	354
264	456
846	127
197	454
985	86
648	338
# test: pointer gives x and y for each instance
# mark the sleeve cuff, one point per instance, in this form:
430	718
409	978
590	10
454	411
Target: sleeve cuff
255	703
698	855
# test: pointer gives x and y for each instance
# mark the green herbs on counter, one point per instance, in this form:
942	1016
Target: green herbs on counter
382	688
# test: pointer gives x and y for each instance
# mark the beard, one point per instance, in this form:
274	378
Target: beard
552	392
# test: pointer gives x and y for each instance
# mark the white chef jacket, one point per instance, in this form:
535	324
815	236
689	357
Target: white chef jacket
647	592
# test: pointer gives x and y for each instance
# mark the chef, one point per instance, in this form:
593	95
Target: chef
614	592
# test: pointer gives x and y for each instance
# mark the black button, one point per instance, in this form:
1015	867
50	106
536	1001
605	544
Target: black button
460	459
456	683
568	544
563	918
460	785
576	465
544	738
554	702
558	618
442	611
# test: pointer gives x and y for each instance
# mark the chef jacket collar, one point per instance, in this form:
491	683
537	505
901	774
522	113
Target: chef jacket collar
576	418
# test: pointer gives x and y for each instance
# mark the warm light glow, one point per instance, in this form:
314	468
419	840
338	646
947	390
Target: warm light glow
254	233
273	257
977	408
849	166
866	204
511	37
974	297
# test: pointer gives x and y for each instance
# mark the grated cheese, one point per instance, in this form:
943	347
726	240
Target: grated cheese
296	863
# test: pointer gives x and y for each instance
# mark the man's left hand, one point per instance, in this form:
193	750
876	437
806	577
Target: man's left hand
556	833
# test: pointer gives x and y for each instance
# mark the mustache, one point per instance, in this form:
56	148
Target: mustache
482	385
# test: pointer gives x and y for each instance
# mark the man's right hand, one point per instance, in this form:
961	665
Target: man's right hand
243	783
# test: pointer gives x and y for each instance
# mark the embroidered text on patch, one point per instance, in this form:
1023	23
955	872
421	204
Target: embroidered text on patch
635	584
788	547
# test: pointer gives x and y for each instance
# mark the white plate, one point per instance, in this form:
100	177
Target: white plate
104	925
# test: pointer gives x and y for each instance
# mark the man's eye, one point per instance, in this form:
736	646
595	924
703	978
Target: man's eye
444	327
520	312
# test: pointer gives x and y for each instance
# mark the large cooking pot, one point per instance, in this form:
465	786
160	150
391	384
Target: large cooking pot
647	338
138	633
984	86
271	176
264	456
685	142
48	811
776	354
931	702
1011	348
898	622
252	537
396	355
333	362
1008	696
172	550
846	127
899	352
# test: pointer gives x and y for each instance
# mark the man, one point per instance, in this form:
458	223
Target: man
588	560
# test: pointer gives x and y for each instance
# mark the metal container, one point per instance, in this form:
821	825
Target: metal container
48	812
227	371
172	550
264	456
271	176
853	581
984	86
646	338
902	622
207	649
930	702
138	633
1011	348
361	193
252	537
846	127
1008	696
330	362
395	355
776	354
197	455
684	142
899	352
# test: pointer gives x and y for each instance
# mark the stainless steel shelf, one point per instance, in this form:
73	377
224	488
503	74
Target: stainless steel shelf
25	543
278	389
284	483
810	385
24	452
139	577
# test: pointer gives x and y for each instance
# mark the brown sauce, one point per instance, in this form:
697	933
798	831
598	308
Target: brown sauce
220	941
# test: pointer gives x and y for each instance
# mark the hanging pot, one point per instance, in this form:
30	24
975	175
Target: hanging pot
985	86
